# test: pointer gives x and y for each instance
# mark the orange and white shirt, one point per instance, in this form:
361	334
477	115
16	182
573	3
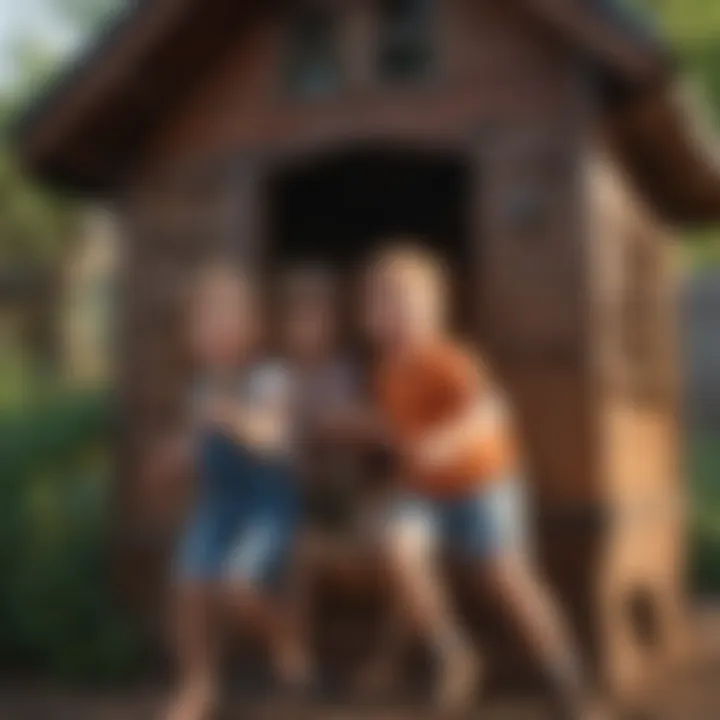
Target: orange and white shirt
421	391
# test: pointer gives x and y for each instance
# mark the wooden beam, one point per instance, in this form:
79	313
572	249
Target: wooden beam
96	73
638	60
671	163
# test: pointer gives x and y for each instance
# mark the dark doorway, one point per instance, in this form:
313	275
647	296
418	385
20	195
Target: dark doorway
338	207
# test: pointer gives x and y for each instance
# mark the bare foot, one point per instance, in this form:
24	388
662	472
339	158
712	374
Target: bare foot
293	667
589	709
460	673
377	678
594	710
194	701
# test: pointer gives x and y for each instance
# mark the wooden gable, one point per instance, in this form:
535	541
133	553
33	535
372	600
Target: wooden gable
92	128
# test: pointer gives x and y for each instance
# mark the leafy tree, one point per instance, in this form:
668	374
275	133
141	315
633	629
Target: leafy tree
36	224
37	227
88	15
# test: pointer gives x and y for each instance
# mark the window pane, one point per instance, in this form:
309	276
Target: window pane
313	66
406	47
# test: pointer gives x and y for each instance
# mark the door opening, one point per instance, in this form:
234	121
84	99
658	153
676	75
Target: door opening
337	208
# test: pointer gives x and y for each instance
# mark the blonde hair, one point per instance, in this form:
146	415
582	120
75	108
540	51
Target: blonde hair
405	254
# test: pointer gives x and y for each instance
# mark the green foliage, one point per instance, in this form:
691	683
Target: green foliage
704	471
702	249
37	225
693	28
38	438
57	613
88	15
58	617
688	21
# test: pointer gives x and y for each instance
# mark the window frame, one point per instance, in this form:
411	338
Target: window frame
435	46
289	45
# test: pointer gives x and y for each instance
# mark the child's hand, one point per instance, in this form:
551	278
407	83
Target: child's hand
220	413
433	451
483	422
252	427
348	424
249	428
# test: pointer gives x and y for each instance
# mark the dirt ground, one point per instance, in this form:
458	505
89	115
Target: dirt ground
691	695
690	704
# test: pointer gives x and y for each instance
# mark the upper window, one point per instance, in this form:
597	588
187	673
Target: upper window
313	56
406	40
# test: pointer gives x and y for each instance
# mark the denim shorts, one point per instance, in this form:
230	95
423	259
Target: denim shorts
244	523
488	522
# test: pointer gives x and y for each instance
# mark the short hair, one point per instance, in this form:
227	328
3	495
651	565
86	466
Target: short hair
409	253
215	272
314	280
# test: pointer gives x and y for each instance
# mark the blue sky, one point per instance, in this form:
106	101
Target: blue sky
32	20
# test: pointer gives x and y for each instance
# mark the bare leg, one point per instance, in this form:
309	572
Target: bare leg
384	670
411	550
531	607
196	655
314	554
271	620
308	559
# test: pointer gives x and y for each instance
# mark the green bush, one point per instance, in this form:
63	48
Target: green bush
58	617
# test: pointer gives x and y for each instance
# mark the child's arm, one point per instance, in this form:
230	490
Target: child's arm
262	426
256	428
482	412
261	429
484	420
353	424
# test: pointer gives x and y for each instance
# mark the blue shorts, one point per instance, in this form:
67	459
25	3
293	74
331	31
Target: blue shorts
486	523
244	522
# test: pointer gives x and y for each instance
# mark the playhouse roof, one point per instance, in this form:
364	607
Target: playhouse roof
85	130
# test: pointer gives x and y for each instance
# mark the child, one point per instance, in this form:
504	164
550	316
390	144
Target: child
341	488
460	473
238	536
325	383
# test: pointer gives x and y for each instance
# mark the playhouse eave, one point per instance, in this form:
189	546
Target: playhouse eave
85	131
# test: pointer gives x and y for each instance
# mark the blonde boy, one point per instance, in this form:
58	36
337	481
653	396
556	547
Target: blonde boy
461	480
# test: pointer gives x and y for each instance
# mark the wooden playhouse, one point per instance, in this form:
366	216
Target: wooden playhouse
538	143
